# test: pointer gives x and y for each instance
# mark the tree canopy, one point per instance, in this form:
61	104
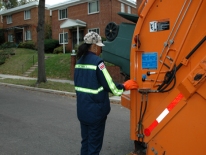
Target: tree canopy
8	4
22	2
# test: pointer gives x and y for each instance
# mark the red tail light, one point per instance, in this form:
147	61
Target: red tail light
135	39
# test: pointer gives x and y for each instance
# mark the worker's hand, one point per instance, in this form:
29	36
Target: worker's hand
130	84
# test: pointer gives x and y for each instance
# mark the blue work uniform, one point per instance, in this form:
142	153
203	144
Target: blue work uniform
92	84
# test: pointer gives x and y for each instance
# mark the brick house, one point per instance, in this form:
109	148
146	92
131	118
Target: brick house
1	22
77	17
19	23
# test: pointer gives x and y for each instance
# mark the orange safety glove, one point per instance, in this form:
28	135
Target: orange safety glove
130	84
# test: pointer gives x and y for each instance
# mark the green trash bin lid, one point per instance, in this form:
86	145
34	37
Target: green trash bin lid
130	17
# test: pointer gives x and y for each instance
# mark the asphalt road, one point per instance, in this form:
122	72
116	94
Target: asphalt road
36	123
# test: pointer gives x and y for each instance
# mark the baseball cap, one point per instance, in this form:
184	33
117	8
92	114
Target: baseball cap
93	38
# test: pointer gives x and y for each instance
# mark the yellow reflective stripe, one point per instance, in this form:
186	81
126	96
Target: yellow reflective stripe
91	91
86	66
111	84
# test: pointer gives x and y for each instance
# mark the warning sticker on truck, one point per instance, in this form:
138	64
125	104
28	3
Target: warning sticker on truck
153	26
160	25
149	61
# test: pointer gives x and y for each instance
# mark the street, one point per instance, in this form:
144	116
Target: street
36	123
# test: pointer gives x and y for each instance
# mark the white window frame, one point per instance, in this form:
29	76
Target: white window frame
25	12
97	11
129	9
2	19
9	21
12	39
66	14
64	38
26	35
122	7
97	28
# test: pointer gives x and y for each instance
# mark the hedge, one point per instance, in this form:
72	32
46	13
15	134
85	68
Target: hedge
58	50
27	44
50	45
7	45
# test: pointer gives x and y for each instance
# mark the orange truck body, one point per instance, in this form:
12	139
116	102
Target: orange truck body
174	121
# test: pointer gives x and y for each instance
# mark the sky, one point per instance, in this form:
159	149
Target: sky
52	2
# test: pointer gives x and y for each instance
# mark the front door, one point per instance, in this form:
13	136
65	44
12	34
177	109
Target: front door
74	37
19	37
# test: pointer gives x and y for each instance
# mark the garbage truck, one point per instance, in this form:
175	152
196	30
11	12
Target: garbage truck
167	57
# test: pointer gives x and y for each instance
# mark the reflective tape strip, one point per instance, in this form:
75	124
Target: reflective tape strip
86	66
163	114
111	84
91	91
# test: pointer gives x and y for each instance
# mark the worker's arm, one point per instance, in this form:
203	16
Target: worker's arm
106	81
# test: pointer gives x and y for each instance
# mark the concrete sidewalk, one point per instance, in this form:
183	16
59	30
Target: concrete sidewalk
4	76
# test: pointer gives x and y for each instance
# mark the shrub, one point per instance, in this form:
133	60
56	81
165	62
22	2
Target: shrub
67	50
2	59
30	45
27	44
50	45
1	36
58	50
48	30
20	45
8	51
7	45
5	54
77	46
104	39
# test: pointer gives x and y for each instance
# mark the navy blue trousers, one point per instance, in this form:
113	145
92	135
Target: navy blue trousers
92	137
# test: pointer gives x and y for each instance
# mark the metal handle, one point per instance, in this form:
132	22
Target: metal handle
140	8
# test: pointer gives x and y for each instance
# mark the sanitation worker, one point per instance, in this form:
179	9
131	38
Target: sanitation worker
92	84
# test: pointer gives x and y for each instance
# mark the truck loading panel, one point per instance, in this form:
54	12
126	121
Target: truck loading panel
168	60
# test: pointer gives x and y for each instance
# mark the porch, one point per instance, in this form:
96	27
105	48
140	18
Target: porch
77	35
17	34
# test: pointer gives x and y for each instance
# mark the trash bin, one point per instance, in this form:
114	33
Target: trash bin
118	44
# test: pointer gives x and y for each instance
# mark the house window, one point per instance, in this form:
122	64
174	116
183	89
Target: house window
94	30
63	14
10	37
9	19
65	38
93	7
28	35
122	7
2	19
27	14
129	9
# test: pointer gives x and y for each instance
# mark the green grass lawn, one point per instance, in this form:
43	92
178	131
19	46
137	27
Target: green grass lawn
56	67
13	65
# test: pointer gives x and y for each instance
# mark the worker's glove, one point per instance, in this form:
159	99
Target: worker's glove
130	84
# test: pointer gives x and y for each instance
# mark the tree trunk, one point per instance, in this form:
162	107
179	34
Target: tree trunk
40	42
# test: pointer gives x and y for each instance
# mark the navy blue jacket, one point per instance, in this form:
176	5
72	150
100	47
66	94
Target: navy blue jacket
92	84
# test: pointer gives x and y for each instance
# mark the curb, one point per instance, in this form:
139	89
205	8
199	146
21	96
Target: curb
115	101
